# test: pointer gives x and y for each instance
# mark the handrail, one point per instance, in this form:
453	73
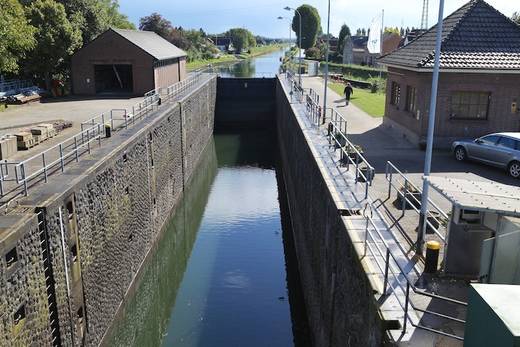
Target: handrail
409	188
389	270
41	165
339	140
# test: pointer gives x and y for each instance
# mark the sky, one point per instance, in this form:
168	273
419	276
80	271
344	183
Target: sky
260	16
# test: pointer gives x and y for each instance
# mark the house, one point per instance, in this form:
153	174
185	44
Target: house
355	50
410	36
224	44
479	83
126	62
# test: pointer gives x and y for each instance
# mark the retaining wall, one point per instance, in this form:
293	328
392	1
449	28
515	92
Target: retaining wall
110	209
338	295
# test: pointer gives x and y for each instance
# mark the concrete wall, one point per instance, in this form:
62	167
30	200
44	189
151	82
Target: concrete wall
245	102
503	88
339	298
111	209
111	48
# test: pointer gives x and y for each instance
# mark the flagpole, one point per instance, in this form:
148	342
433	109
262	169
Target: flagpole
382	38
431	128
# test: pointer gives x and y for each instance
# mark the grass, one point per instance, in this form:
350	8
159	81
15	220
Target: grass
196	64
371	103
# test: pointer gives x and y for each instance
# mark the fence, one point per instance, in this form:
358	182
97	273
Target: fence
8	85
17	177
400	282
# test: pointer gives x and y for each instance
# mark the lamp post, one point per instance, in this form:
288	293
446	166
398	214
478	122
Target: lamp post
326	77
299	45
423	219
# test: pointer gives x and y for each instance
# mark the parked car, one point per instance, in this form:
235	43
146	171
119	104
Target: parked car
501	150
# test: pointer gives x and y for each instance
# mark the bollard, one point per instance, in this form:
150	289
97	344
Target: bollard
108	130
432	257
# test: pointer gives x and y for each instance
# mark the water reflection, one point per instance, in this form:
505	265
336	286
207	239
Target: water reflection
267	65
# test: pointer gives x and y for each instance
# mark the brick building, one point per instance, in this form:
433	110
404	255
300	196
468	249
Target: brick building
126	61
356	52
479	82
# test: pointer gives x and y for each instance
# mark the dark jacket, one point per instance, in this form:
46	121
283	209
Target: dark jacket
348	91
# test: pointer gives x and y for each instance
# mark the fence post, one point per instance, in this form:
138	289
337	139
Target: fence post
405	197
76	148
386	271
44	167
61	158
24	180
88	141
406	306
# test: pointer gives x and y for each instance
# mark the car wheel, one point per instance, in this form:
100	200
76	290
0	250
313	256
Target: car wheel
460	153
514	169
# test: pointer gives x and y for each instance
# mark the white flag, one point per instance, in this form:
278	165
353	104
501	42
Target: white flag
374	37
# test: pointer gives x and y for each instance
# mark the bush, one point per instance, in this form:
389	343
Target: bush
313	53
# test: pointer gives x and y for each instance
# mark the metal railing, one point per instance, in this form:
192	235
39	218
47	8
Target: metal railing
410	196
351	155
312	109
24	174
338	120
8	85
380	249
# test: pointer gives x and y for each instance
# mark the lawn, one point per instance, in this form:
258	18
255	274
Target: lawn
371	103
196	64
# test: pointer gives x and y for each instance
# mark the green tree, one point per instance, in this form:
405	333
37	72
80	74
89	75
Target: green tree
516	17
56	39
17	36
158	24
115	18
242	39
311	26
343	34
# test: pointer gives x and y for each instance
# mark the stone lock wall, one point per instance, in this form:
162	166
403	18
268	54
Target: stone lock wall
338	296
111	211
24	314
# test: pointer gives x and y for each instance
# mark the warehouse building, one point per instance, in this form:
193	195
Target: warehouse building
130	62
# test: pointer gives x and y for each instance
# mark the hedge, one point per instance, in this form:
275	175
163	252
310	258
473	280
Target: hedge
357	71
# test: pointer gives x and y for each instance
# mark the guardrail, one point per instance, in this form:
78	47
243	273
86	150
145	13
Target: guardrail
312	109
393	268
410	195
351	155
8	85
24	174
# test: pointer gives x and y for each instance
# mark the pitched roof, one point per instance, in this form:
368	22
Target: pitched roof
476	36
151	43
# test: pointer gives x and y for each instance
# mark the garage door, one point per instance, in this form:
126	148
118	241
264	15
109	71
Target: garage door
113	79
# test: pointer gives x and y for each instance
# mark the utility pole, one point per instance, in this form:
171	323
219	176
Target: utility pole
326	77
431	129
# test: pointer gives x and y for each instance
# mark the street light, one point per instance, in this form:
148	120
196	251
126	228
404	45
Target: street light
326	78
299	45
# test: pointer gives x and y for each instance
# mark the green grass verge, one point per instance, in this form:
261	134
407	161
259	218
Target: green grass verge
196	64
371	103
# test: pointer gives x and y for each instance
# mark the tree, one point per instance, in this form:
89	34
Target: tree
56	39
242	39
311	26
343	34
158	24
516	17
363	32
17	36
115	18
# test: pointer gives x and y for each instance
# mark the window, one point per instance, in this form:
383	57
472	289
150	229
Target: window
470	105
508	142
490	140
396	94
411	99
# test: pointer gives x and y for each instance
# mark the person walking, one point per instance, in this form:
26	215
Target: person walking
348	92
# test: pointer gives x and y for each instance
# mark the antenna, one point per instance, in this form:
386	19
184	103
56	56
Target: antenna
424	18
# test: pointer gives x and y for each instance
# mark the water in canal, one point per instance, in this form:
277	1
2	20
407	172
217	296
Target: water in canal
263	66
224	272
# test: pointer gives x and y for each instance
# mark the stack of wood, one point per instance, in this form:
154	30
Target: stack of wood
43	131
25	140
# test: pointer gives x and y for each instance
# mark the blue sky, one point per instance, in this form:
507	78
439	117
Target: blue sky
259	16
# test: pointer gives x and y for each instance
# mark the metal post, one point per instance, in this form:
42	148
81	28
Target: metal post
386	270
88	141
61	158
24	180
326	67
406	303
76	148
431	128
405	196
44	167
